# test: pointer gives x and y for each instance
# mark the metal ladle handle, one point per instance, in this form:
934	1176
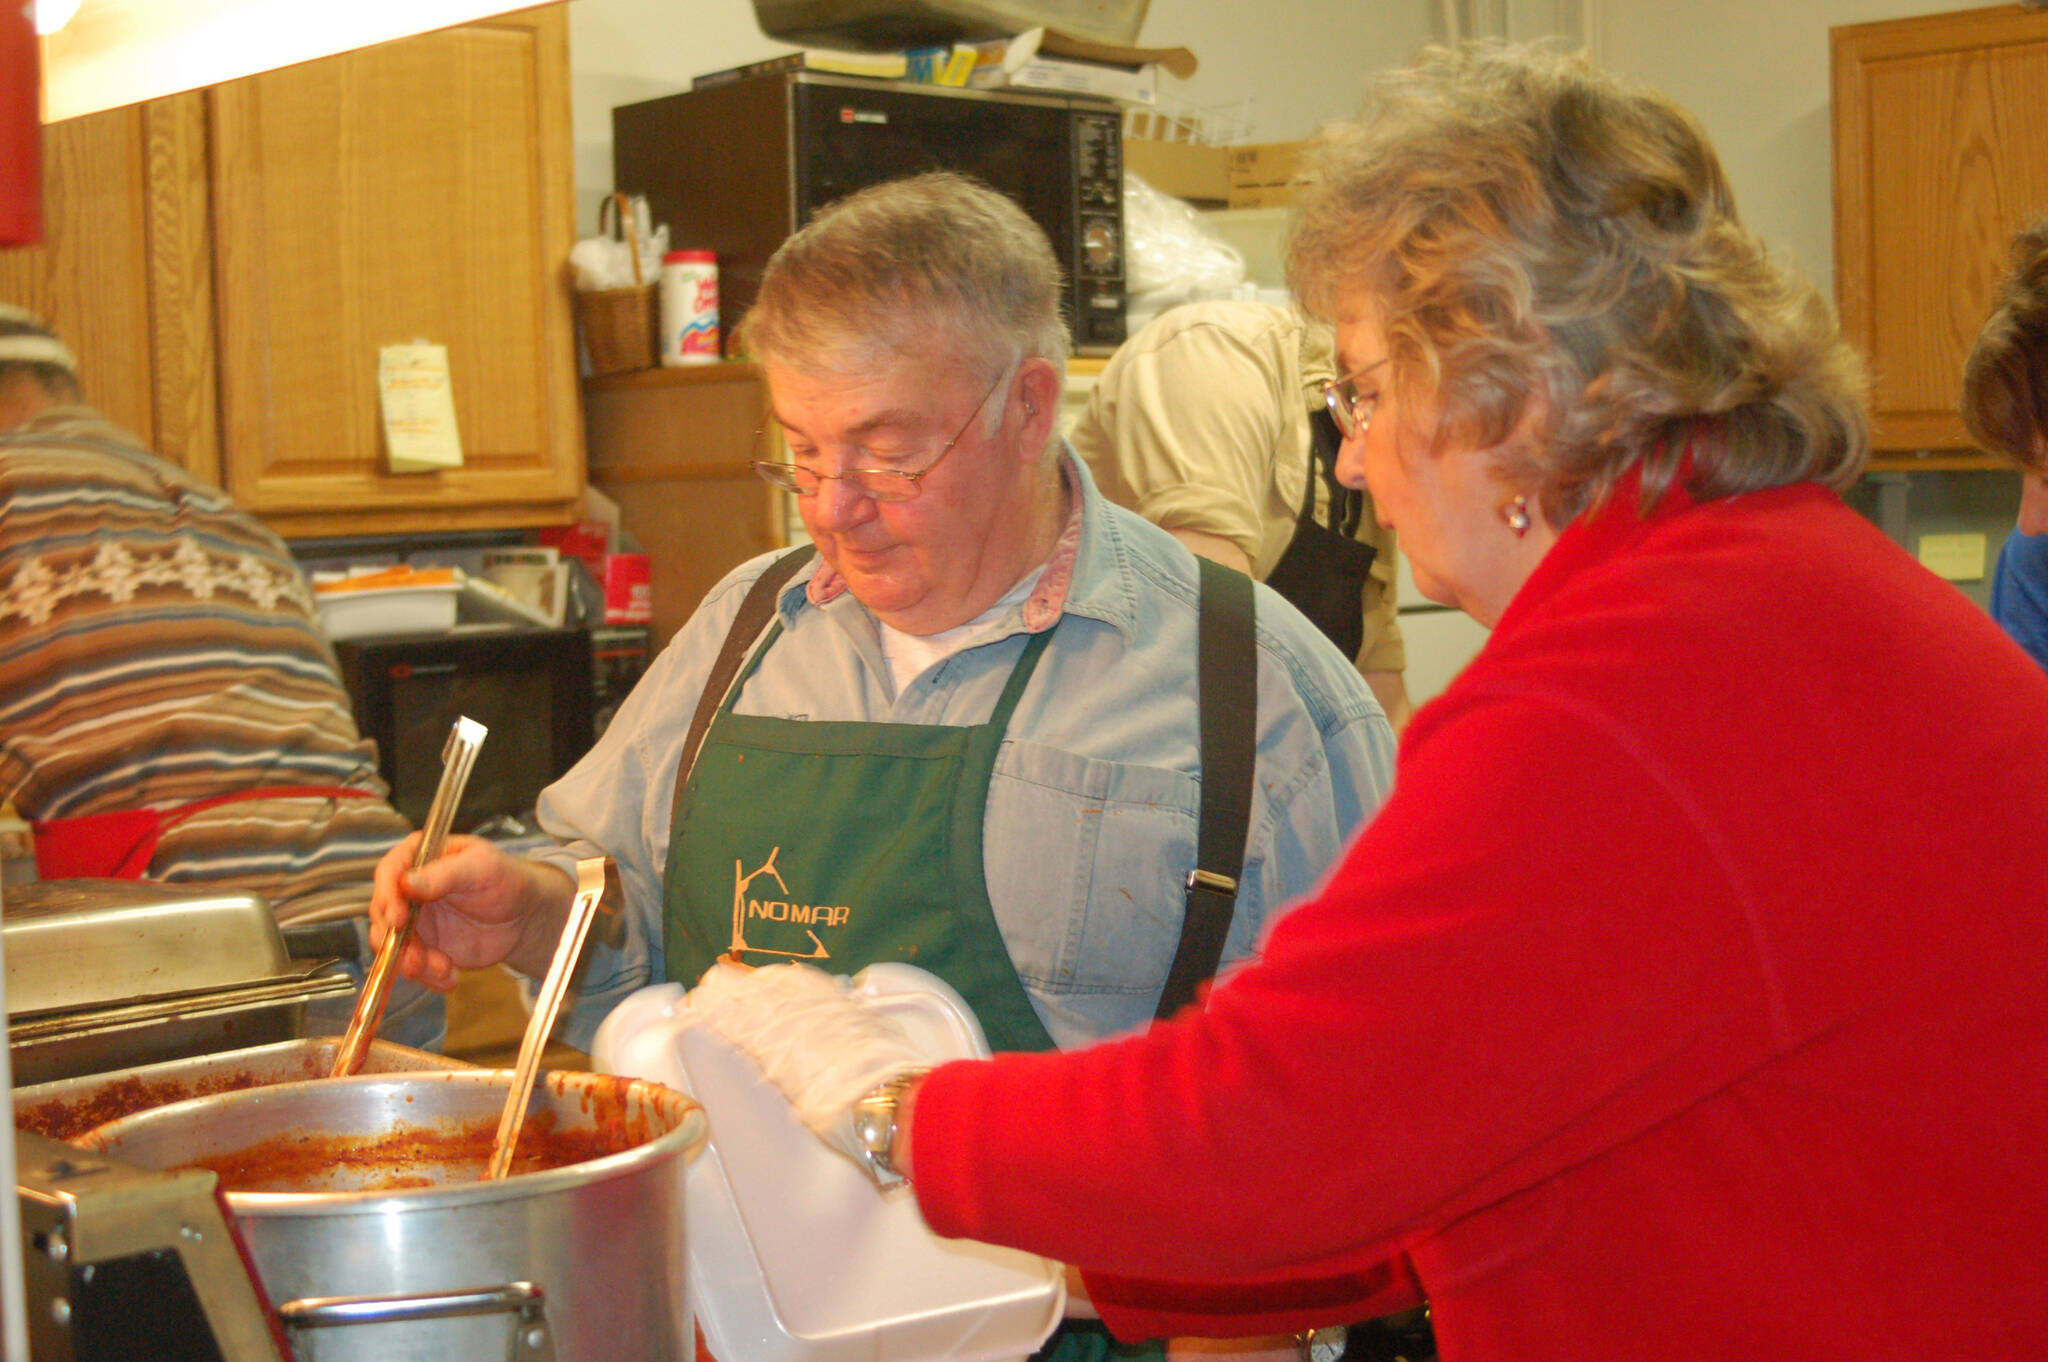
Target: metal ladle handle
458	758
590	881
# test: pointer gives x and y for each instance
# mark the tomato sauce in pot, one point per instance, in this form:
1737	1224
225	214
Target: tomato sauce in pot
409	1156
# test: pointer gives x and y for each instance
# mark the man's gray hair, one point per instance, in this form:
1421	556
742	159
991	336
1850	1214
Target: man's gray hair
933	265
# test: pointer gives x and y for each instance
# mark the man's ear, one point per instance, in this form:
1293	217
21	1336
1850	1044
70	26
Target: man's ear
1038	390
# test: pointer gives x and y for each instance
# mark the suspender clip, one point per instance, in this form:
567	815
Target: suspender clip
1210	880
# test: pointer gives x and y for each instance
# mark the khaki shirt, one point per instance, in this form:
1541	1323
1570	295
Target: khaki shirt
1201	422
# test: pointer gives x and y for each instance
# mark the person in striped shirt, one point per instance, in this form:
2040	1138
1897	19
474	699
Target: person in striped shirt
169	709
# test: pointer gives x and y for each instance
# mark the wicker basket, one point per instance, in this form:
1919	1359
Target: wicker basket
618	323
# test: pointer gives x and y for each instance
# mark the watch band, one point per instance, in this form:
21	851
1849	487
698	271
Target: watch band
875	1126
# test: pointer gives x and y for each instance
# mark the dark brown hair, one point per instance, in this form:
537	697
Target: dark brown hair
2005	380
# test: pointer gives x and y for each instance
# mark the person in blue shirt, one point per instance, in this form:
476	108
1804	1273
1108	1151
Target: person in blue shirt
965	733
2005	406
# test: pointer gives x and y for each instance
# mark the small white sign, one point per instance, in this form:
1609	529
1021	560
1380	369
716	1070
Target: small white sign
418	401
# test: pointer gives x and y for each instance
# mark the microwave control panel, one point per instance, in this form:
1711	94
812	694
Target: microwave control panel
1099	266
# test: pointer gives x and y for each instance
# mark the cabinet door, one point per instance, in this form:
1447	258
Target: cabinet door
1941	153
124	274
418	190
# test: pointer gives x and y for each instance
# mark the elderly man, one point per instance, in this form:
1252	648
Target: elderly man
967	733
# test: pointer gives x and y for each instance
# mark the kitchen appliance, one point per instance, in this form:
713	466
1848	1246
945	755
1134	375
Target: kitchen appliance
736	167
109	974
580	1263
530	687
64	1107
121	1263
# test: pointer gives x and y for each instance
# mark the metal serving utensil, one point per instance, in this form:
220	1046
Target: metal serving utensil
590	881
458	756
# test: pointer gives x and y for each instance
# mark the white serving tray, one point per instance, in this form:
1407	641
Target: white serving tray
794	1255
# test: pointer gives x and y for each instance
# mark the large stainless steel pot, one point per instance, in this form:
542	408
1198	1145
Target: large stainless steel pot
602	1240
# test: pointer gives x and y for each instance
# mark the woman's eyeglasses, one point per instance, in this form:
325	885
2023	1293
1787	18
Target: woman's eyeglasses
1351	410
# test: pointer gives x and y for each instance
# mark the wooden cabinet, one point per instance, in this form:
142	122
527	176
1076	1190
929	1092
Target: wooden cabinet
1940	154
125	271
229	262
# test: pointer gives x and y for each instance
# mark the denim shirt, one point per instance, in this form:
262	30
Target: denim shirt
1091	819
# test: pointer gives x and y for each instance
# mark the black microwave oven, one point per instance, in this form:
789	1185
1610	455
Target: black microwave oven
530	688
735	168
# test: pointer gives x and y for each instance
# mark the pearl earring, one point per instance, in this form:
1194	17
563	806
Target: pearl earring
1517	515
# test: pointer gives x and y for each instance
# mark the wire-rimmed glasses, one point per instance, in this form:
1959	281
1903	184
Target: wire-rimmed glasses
880	484
1352	412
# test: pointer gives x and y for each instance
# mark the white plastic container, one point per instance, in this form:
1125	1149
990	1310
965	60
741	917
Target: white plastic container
689	308
794	1255
387	610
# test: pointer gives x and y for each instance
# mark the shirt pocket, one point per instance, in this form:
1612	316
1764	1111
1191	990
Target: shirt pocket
1087	863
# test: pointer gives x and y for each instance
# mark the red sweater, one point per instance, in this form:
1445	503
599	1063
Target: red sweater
1688	1000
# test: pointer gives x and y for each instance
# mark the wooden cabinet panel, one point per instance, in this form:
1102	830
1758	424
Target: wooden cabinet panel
415	190
125	271
1941	153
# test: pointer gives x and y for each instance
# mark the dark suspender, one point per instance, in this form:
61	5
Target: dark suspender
1228	677
755	609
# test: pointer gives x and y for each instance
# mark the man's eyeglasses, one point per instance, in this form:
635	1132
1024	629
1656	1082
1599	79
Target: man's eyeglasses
1352	412
881	484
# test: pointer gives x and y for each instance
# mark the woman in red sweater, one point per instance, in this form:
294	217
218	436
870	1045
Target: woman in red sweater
1689	999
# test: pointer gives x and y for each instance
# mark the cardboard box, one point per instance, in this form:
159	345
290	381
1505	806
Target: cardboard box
1260	196
1255	163
1186	170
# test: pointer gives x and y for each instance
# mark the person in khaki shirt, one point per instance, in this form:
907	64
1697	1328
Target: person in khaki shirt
1206	423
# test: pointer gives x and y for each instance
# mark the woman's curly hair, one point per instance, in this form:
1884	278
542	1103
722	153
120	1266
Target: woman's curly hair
1527	225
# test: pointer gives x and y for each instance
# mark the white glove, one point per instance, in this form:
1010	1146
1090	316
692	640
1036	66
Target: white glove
820	1044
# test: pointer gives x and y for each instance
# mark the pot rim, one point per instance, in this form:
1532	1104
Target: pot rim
686	1137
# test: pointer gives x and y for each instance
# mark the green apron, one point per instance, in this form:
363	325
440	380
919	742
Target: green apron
843	844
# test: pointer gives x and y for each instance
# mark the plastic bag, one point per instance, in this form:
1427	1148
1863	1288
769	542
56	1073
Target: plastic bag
607	260
1174	257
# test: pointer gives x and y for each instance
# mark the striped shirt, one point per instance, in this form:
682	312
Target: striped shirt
158	647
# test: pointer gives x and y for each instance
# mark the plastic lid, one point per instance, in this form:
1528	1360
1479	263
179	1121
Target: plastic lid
690	257
794	1256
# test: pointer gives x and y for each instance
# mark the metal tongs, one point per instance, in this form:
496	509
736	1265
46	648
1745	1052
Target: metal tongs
590	881
457	757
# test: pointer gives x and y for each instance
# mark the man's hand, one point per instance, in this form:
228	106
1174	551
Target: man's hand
477	907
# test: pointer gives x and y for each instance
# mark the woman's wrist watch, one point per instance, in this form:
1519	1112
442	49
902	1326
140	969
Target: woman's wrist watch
876	1120
1322	1345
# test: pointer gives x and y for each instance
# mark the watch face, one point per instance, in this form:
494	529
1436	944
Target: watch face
1324	1345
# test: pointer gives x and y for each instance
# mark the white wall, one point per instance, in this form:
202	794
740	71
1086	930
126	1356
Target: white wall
1756	74
1298	74
1755	71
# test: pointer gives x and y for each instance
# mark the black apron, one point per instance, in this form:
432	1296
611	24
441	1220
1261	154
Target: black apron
1325	569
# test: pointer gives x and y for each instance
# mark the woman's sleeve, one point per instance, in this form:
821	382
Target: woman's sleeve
1458	1015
